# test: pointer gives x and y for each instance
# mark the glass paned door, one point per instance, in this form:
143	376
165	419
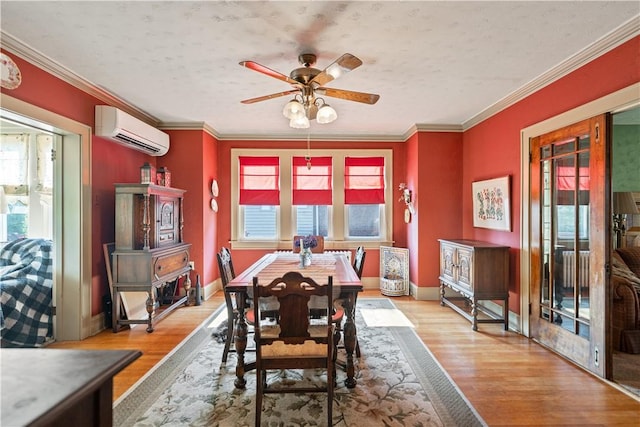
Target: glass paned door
568	241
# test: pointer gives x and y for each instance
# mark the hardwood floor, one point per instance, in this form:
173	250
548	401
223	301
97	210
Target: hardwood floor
509	379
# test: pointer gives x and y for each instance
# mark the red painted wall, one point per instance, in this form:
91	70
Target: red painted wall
489	149
492	148
111	163
244	258
437	173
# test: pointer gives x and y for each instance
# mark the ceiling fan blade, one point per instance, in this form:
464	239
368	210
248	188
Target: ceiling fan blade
266	97
342	65
268	71
365	98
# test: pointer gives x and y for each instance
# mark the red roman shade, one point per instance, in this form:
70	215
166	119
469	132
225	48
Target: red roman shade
566	177
312	186
259	180
363	180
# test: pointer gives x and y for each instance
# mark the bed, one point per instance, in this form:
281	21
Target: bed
26	285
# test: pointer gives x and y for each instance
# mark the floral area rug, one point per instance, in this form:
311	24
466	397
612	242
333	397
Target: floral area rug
399	383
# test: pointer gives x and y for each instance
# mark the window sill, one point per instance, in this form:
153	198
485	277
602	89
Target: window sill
329	245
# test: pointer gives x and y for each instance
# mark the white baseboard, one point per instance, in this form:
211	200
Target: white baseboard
97	324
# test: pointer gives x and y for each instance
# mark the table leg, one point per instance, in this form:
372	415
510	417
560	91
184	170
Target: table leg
115	310
240	343
350	339
506	313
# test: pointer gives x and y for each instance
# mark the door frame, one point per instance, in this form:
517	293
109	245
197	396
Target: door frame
614	102
72	232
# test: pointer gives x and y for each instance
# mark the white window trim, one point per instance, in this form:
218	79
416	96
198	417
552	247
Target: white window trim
285	216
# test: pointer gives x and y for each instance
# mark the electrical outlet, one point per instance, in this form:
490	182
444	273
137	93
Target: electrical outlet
192	265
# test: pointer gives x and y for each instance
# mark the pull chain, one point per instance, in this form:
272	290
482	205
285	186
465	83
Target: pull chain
308	156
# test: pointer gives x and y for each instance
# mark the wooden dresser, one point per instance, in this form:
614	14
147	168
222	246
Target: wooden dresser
150	253
476	271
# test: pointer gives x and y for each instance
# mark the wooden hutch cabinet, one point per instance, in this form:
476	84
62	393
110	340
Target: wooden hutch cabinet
150	253
476	271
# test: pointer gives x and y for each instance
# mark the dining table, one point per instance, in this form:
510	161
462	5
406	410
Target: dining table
346	284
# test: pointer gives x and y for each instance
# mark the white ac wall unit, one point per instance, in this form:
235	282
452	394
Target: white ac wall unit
129	131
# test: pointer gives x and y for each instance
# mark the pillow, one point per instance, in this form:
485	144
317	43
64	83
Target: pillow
620	269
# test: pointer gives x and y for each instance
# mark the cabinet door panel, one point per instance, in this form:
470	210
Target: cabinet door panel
447	262
166	220
465	268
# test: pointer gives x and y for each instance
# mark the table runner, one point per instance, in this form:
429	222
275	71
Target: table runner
322	266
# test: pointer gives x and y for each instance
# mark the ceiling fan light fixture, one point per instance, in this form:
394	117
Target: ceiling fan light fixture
326	114
300	122
293	110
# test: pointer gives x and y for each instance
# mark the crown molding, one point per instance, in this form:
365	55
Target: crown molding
17	47
202	126
615	38
623	33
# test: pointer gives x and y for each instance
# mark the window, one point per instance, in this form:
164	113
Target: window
312	194
364	196
14	186
311	200
259	196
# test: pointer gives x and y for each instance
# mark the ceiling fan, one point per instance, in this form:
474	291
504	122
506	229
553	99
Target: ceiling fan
308	82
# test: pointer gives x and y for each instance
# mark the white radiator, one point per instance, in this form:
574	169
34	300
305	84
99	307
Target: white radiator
569	269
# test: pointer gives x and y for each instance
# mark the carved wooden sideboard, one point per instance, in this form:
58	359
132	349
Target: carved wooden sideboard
150	253
476	271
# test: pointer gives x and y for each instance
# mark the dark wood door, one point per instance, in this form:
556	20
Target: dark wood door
569	235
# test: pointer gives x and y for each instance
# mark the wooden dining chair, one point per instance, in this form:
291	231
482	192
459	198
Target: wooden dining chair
227	273
358	265
318	249
358	261
295	341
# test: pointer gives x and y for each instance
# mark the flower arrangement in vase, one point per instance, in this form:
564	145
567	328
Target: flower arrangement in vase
305	244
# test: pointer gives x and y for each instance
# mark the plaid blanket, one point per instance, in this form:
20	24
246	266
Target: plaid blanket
26	285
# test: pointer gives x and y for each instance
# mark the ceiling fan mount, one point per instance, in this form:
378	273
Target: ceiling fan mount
307	59
306	73
307	81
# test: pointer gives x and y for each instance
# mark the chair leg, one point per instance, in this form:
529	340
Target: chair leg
331	383
259	392
230	333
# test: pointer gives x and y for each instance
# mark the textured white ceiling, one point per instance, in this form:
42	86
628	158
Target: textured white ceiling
432	63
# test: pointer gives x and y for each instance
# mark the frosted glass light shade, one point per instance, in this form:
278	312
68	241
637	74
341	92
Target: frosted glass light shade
293	110
326	114
299	123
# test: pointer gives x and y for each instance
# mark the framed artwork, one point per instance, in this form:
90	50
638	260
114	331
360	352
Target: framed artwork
492	204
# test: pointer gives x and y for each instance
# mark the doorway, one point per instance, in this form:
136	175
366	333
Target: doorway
625	190
71	225
568	244
620	100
